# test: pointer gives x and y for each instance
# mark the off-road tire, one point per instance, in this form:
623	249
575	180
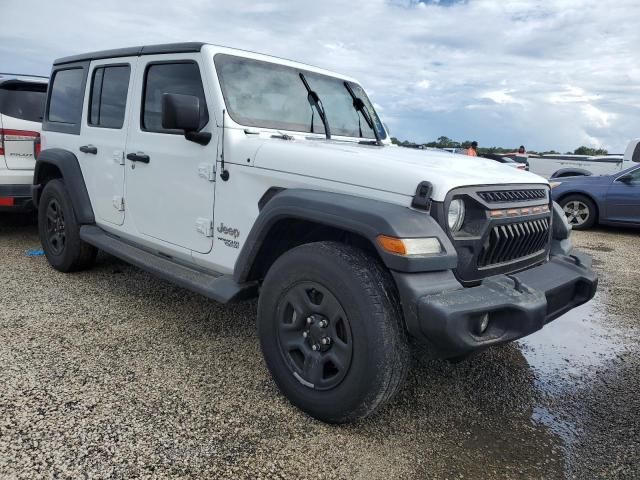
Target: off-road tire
66	252
367	296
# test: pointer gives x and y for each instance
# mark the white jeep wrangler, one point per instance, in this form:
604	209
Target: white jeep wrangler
235	174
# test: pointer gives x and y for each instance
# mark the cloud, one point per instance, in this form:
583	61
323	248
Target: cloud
547	74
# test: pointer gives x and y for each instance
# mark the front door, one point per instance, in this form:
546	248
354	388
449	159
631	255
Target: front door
623	198
169	179
104	134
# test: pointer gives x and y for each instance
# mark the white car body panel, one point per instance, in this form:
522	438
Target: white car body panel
104	171
19	155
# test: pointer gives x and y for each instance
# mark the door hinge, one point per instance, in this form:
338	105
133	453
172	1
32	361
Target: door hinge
118	157
118	203
208	171
204	226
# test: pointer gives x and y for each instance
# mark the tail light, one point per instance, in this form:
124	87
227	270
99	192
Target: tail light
9	135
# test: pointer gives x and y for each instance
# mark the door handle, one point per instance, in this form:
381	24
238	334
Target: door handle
138	157
89	149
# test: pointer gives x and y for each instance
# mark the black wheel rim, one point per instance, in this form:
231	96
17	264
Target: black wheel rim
55	227
314	335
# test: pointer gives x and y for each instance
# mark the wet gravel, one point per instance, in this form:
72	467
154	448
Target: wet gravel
113	373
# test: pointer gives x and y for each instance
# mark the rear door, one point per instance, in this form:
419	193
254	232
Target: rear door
104	135
170	195
21	109
623	199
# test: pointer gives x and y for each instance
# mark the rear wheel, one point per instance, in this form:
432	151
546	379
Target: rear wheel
330	329
59	231
580	211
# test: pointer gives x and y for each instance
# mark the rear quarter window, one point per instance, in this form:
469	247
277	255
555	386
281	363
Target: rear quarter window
23	100
67	94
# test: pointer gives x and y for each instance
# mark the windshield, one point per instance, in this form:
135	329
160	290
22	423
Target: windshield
269	95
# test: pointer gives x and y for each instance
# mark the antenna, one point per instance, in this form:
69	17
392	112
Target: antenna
224	174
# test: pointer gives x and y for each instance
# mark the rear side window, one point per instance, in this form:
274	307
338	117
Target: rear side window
109	88
65	105
23	100
183	78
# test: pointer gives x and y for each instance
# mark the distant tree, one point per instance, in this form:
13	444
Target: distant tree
443	142
589	151
395	141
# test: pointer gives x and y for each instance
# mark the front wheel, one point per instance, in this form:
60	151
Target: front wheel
580	211
330	329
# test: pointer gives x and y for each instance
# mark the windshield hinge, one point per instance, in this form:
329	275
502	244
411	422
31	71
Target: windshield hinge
118	203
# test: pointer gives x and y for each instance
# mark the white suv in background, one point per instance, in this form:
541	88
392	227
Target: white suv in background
22	100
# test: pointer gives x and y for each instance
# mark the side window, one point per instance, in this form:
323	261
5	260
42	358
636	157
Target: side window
183	78
65	105
109	96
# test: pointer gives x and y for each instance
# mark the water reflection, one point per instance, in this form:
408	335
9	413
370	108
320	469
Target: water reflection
572	346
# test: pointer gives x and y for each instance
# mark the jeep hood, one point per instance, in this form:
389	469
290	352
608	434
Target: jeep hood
389	168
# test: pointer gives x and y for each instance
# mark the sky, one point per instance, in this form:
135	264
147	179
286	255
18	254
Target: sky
549	74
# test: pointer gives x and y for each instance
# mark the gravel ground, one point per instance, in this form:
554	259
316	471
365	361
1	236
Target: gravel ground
113	373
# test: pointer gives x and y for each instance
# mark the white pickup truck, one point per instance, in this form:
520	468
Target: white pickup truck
552	166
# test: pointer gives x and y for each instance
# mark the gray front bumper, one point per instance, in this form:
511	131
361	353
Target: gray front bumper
443	314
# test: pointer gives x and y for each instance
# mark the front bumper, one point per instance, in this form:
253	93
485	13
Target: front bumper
15	197
439	312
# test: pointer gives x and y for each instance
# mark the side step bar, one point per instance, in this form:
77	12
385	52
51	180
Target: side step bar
221	288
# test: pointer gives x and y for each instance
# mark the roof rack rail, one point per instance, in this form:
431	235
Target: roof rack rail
24	75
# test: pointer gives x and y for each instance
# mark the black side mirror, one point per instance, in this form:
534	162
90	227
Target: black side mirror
625	178
182	112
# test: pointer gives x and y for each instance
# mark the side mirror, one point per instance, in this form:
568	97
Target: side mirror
182	112
625	178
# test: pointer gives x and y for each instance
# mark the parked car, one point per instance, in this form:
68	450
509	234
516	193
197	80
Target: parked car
606	199
351	245
21	106
571	166
508	161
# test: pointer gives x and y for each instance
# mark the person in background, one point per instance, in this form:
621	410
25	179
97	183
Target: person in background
522	154
472	151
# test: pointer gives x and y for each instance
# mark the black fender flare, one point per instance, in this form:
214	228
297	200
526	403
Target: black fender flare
571	172
69	167
363	216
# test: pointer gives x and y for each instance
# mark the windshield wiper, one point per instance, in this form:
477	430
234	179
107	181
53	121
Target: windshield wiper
360	107
314	101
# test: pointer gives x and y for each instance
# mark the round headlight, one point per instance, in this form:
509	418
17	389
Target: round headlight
455	215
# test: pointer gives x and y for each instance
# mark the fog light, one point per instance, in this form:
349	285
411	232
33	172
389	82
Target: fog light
484	323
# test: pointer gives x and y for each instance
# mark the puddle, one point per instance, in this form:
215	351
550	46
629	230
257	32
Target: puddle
565	355
565	429
572	345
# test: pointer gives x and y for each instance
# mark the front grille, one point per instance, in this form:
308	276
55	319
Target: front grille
513	241
513	195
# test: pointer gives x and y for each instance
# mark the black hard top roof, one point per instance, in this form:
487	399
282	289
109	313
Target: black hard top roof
133	52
